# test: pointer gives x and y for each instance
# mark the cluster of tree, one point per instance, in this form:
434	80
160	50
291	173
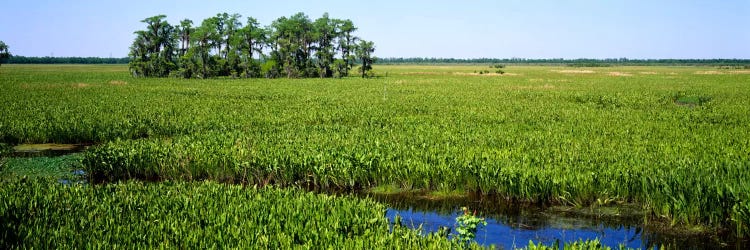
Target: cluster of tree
4	53
66	60
222	45
572	62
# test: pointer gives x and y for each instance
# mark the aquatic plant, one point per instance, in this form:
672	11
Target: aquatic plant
576	245
467	225
41	213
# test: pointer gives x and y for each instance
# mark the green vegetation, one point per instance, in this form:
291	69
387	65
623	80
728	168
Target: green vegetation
467	225
4	53
364	53
577	245
681	98
38	213
579	136
222	46
5	149
67	168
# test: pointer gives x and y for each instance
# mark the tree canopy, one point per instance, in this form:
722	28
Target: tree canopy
223	45
4	53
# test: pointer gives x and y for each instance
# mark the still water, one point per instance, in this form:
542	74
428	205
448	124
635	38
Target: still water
512	226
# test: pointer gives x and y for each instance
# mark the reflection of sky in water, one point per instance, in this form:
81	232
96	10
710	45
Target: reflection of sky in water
77	173
508	237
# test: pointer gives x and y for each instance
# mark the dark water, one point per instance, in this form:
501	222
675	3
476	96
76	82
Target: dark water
511	226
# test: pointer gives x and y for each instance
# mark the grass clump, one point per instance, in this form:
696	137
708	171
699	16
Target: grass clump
681	98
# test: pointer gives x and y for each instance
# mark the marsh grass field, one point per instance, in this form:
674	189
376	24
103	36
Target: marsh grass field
673	141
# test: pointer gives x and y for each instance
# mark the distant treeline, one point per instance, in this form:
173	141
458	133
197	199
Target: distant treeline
66	60
418	60
569	62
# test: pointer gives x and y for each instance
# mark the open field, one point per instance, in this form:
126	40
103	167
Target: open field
674	140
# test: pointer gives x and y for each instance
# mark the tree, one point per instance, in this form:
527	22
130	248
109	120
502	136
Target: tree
204	39
364	52
186	62
324	34
4	53
152	52
346	43
222	46
185	29
341	68
293	38
251	39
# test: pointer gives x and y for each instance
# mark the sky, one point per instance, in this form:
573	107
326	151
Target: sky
642	29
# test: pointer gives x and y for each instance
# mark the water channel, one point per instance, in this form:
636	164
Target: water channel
512	226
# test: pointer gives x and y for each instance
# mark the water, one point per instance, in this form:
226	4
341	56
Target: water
511	226
49	160
47	149
509	237
78	177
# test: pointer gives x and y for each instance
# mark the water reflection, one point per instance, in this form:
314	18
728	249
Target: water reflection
508	237
511	225
78	177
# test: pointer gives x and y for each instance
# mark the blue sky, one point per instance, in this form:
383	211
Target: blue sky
458	29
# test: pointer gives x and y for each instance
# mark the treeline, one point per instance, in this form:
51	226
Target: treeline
66	60
13	59
569	62
223	45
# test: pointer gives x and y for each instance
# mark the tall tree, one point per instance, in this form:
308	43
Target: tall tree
293	38
205	38
185	29
153	49
364	52
347	42
139	55
4	53
187	61
232	50
219	22
251	39
325	33
280	41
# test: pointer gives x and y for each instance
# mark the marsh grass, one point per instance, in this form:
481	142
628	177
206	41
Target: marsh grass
39	213
591	139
